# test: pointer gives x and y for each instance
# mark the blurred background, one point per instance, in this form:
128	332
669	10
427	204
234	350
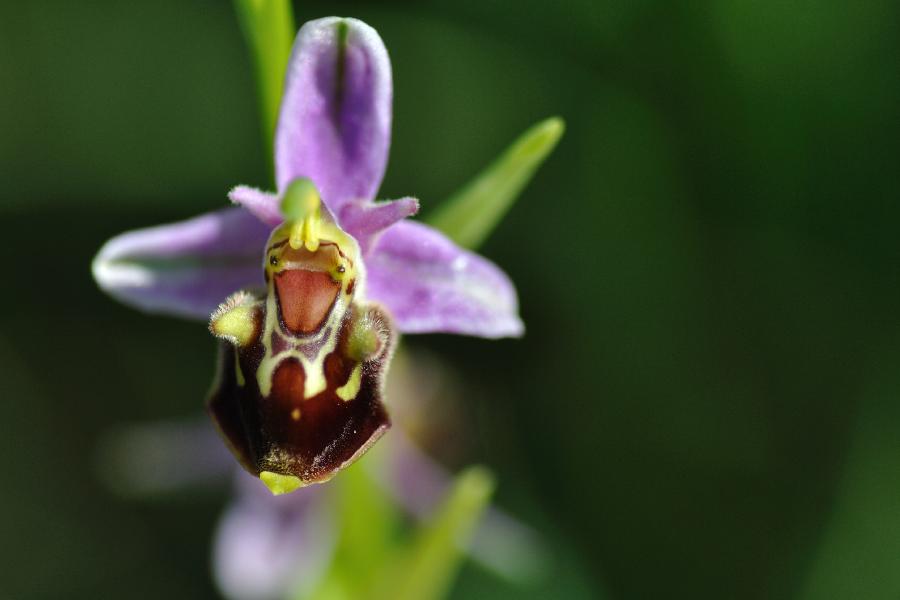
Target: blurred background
707	402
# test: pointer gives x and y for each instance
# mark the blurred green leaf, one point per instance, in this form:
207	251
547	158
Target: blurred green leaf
470	215
269	28
369	522
857	554
425	569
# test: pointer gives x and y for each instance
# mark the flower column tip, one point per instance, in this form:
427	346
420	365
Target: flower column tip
301	207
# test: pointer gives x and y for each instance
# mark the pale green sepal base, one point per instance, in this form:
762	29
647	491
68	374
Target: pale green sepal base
470	215
280	484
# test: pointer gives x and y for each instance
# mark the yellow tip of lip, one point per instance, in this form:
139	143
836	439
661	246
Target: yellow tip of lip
280	484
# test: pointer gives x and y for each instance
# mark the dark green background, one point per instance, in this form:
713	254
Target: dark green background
707	403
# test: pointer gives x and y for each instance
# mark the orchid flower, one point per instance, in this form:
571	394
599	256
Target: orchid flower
315	270
309	353
334	129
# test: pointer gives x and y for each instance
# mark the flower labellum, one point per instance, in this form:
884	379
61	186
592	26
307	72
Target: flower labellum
298	395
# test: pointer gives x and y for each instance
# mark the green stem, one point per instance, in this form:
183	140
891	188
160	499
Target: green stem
425	569
269	29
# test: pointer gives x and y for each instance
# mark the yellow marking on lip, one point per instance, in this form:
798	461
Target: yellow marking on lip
295	414
350	390
334	249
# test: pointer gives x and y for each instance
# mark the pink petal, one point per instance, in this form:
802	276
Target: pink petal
269	547
263	205
335	121
185	268
366	220
431	285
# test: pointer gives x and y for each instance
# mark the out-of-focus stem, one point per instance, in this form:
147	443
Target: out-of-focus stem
269	29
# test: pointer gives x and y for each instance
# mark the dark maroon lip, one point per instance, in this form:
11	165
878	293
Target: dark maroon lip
305	299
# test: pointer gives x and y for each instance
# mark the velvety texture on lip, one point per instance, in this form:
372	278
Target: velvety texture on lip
305	299
288	433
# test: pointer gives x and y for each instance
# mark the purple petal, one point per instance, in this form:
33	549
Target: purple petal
263	205
431	285
271	547
164	457
335	121
365	220
185	268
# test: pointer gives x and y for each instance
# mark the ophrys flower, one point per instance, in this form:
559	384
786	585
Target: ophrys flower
331	148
